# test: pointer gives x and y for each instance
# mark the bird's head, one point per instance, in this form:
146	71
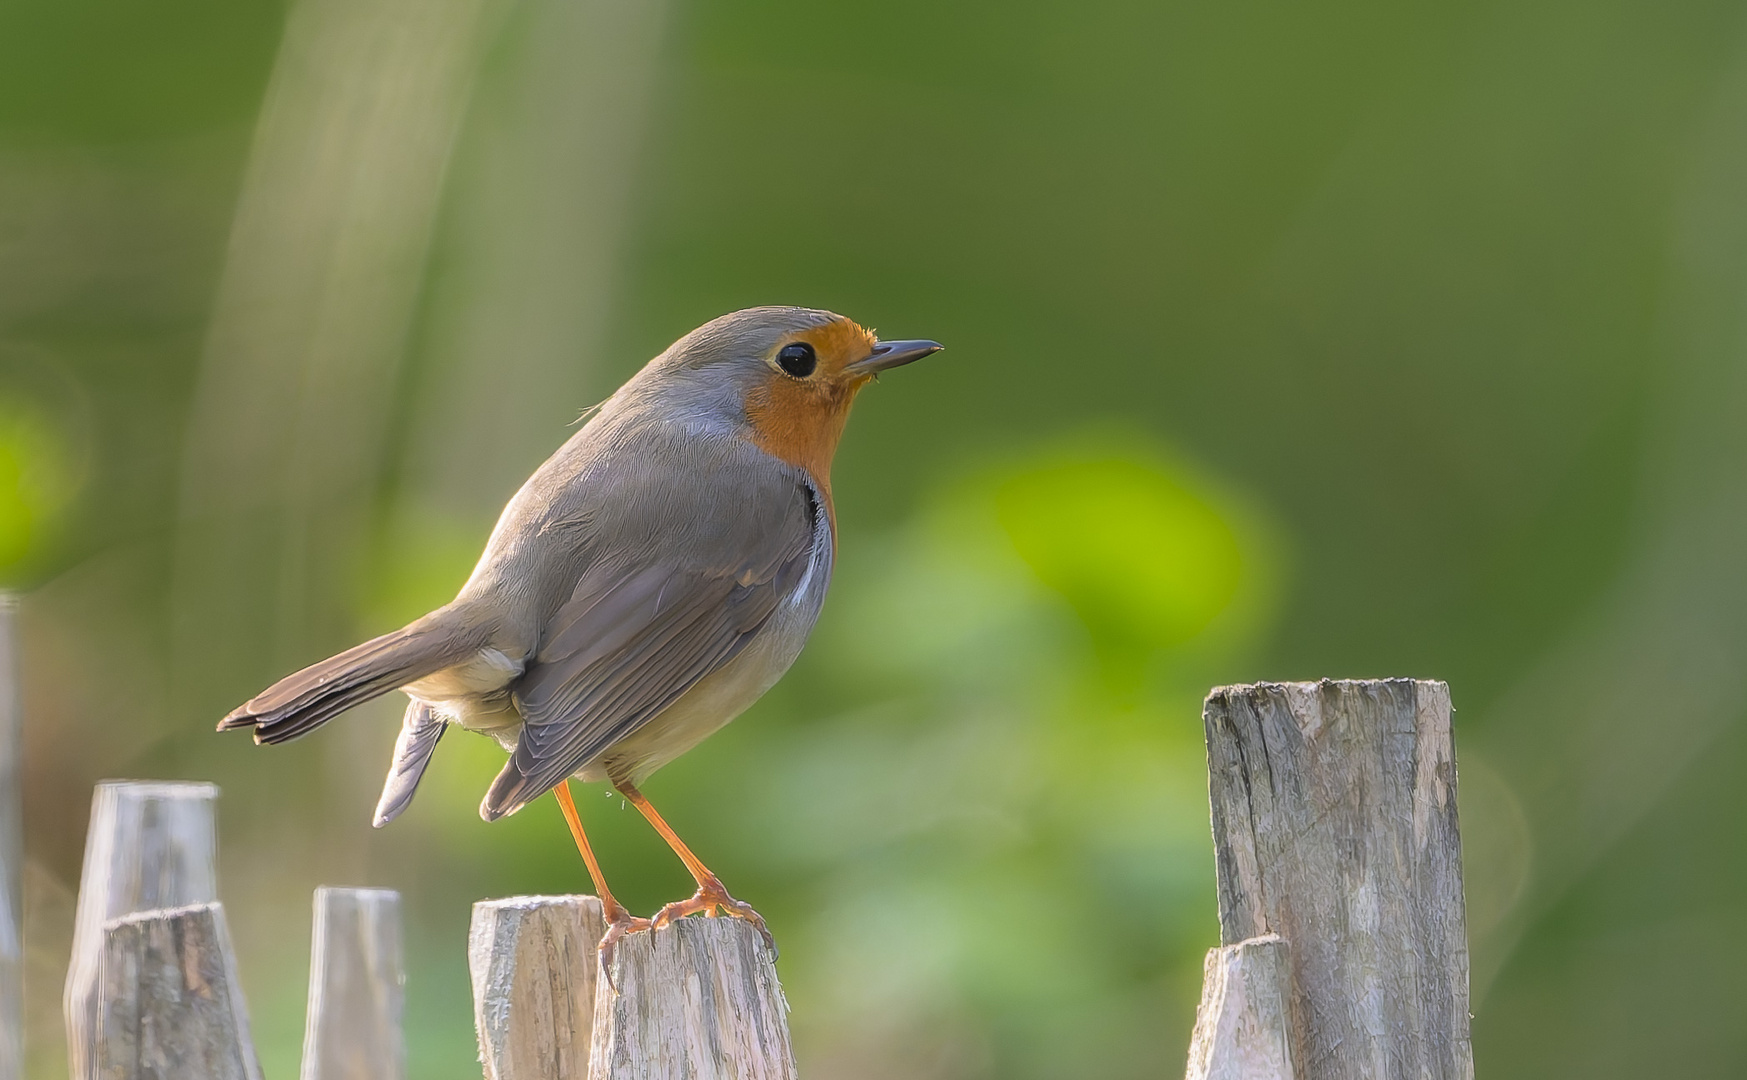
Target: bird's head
785	376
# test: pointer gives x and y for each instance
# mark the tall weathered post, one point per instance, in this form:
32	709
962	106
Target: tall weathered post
1334	823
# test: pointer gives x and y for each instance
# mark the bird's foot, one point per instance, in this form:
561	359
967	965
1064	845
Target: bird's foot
710	896
619	923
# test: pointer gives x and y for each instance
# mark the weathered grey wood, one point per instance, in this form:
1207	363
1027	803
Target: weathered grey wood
149	846
1242	1028
698	1000
535	962
11	849
171	1007
357	988
1334	822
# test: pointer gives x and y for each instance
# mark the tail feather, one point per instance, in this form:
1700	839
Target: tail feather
419	733
302	702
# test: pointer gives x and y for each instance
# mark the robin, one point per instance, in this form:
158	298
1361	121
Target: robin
646	585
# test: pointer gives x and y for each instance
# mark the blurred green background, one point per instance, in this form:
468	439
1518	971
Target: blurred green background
1285	341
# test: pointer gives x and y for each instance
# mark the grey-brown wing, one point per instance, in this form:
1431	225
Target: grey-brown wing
632	639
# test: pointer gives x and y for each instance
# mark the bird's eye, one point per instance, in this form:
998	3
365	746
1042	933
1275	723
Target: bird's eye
798	359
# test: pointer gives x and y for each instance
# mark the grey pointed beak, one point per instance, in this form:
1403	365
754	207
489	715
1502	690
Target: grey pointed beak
891	354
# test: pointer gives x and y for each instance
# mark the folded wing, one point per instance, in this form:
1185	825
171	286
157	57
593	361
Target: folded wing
641	629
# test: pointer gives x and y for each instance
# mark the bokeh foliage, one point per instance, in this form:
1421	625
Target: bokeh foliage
1349	339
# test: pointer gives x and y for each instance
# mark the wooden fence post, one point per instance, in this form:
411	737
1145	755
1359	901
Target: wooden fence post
1334	823
11	849
535	961
170	1005
149	846
698	999
1243	1029
357	988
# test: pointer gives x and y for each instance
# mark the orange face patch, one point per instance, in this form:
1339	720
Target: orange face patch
800	420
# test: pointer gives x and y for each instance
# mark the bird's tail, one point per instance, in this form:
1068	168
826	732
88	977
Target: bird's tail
300	703
419	733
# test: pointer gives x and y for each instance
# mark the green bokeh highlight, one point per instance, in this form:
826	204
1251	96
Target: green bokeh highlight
37	479
1144	563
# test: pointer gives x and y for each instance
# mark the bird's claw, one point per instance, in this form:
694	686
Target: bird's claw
712	895
619	923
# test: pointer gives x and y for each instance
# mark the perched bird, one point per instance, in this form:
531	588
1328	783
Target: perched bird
646	585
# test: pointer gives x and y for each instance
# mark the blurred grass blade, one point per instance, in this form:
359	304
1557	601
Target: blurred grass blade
284	441
536	217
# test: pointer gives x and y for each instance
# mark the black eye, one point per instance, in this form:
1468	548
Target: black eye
798	359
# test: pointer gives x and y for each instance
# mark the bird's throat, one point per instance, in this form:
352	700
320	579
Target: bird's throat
801	425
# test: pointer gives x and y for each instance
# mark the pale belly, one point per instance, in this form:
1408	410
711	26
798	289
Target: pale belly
707	707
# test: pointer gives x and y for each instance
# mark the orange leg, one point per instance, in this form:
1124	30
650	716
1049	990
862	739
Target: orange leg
710	894
619	921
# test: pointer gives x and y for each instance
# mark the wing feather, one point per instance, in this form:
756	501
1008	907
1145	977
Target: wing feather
636	634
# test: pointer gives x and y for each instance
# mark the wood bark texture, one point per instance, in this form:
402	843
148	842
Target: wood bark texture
1334	822
1243	1028
699	1000
149	846
357	988
535	961
11	849
171	1007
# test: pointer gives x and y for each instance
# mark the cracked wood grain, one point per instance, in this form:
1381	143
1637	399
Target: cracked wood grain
699	1000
